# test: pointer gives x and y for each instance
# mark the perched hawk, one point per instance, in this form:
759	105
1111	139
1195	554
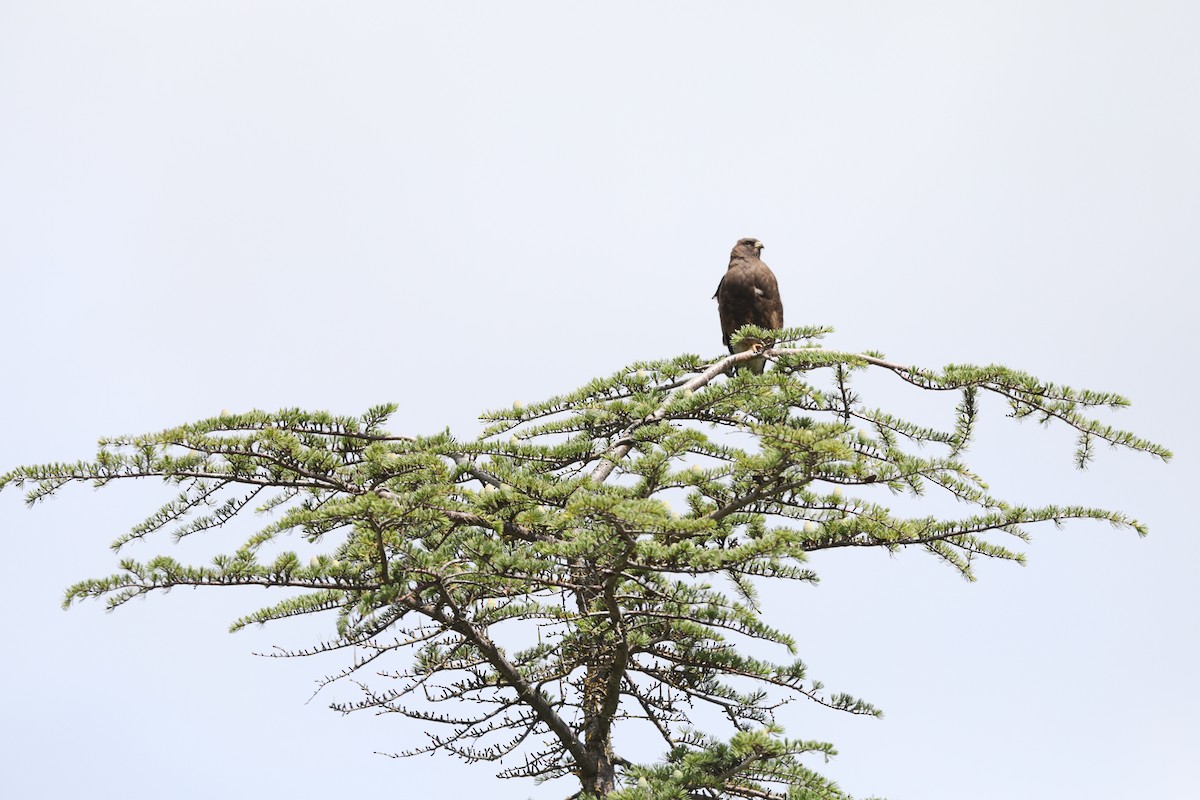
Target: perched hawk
748	295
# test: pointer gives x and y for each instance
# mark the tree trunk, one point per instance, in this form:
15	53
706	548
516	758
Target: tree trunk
603	781
599	776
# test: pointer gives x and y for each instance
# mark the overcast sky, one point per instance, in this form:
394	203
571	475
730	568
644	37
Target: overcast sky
457	205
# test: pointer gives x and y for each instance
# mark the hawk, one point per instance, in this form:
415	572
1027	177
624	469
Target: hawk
748	295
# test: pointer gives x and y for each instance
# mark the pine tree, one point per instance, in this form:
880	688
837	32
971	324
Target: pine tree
593	559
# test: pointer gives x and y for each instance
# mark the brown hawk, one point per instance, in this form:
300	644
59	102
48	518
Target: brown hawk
748	295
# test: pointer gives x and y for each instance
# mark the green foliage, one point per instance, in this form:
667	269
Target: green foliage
749	765
591	559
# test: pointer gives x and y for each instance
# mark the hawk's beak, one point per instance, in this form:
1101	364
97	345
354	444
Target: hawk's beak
759	245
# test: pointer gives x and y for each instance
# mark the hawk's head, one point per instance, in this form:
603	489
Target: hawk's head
748	247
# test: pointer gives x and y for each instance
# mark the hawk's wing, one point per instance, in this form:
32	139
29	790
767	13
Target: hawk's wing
769	305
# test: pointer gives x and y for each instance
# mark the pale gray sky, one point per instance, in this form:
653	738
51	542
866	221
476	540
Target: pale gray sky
453	206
